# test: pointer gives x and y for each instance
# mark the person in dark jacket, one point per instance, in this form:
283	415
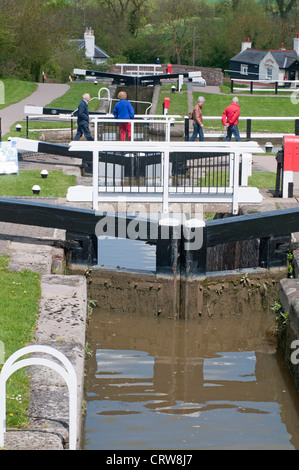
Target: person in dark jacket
124	110
83	119
230	120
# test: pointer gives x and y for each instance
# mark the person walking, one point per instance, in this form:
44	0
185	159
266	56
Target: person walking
230	120
83	119
197	120
124	110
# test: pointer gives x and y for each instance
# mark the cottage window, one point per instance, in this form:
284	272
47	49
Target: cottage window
269	74
244	69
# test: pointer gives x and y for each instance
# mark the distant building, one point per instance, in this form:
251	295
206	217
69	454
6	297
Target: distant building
256	64
92	51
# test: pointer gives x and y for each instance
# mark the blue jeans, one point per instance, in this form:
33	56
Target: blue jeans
232	130
197	129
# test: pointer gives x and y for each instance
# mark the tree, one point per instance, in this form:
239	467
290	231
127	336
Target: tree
177	20
285	7
128	12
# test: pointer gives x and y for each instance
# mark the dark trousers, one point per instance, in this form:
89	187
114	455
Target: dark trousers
83	129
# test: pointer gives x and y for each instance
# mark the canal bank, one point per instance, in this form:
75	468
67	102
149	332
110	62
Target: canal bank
61	325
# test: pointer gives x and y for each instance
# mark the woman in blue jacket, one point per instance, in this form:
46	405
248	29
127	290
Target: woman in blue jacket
124	110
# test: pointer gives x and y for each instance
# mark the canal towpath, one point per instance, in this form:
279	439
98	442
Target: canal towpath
42	96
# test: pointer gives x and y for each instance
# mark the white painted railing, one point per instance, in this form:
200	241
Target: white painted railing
67	372
139	70
163	122
163	192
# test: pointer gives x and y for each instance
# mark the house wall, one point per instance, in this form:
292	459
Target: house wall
235	67
268	62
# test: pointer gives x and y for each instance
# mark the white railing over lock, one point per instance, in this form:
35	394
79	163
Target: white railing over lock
67	372
163	122
239	154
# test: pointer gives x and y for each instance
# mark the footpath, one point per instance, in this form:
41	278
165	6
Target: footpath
45	93
63	306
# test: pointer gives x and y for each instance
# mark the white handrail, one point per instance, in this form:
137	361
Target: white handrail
167	122
253	118
235	149
67	372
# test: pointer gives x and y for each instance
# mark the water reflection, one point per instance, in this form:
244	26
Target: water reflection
126	254
214	384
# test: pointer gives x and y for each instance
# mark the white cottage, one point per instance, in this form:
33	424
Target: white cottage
92	51
253	64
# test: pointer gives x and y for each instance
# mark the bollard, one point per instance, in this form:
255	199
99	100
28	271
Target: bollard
166	105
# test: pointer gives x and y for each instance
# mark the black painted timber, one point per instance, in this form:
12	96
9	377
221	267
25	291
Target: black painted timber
63	150
82	226
71	219
74	112
246	227
130	80
230	229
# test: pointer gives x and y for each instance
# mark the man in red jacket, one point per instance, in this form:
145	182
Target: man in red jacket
230	119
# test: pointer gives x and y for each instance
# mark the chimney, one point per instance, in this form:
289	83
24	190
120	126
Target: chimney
296	43
246	44
89	43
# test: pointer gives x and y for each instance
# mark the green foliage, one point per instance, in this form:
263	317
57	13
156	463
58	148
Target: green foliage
282	318
35	34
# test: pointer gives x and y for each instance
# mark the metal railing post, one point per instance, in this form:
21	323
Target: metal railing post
95	176
235	157
248	129
165	181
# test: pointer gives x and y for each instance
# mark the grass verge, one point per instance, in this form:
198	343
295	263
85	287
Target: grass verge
251	105
73	96
16	90
19	299
55	185
262	180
